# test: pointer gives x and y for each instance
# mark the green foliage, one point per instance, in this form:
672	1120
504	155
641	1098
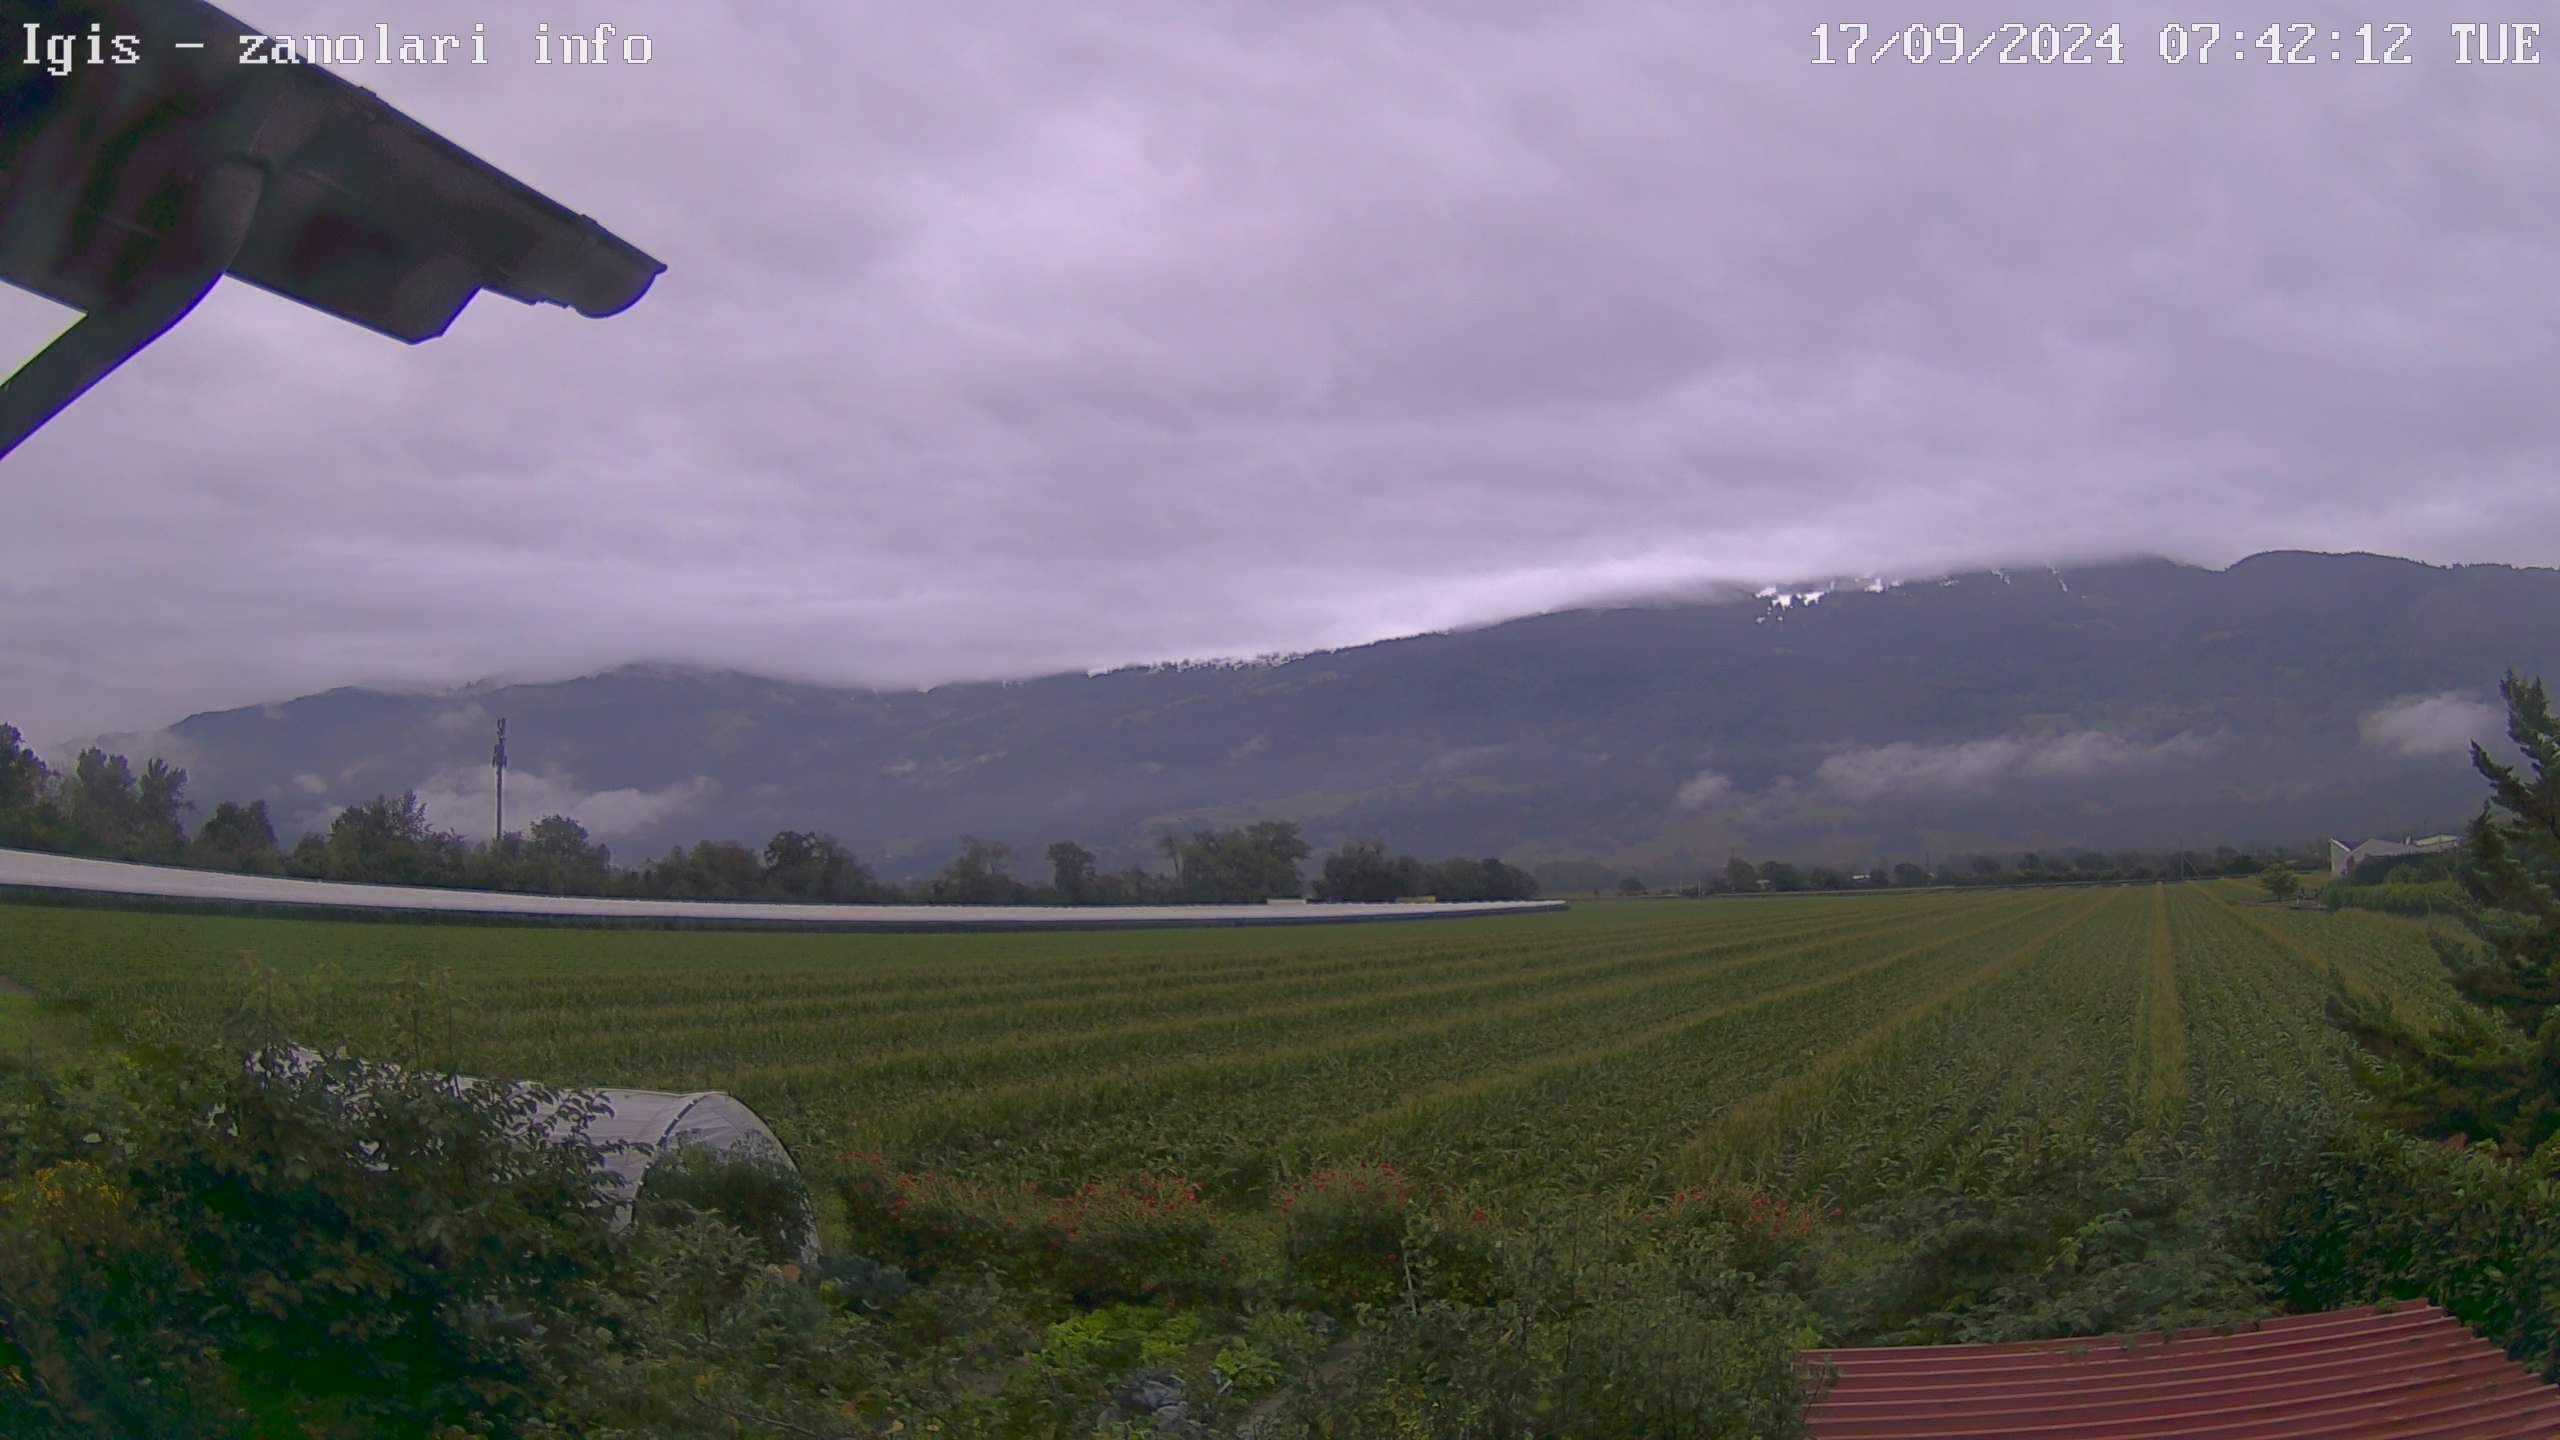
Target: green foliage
194	1245
23	776
237	838
392	841
2035	1114
1071	872
1770	1236
2429	868
2363	1216
1273	1345
757	1196
556	858
101	807
711	870
693	1332
1588	1331
2118	1251
1343	1232
1363	871
979	875
2280	883
2396	899
1255	862
2491	1072
800	865
1081	1355
1145	1238
1781	875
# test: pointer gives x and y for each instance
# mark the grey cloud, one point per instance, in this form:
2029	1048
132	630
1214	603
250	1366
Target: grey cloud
1002	339
2092	752
1447	762
139	748
465	719
2445	724
1703	789
461	798
1904	767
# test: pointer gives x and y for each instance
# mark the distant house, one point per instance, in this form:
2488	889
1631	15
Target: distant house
2343	858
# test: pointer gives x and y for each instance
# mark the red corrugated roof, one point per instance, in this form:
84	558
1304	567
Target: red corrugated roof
2346	1375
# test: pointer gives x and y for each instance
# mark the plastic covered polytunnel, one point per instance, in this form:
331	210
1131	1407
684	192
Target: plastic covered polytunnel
639	1128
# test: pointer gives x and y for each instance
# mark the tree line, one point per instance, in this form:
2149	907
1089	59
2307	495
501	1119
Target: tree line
2027	867
104	808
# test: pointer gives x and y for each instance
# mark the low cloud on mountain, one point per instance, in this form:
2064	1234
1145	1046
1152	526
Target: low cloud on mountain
461	799
2444	724
1904	768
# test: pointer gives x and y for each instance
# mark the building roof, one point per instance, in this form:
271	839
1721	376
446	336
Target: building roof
2398	847
2362	1374
367	214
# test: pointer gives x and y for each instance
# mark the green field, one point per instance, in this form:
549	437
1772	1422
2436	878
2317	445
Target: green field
1846	1047
1590	1174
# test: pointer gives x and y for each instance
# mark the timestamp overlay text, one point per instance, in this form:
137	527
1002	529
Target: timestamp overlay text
2460	42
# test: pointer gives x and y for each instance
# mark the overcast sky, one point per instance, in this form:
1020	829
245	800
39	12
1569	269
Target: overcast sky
1005	338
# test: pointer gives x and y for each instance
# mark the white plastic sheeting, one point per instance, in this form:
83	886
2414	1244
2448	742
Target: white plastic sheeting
641	1127
23	869
652	1122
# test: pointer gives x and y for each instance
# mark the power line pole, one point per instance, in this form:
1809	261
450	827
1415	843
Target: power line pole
498	761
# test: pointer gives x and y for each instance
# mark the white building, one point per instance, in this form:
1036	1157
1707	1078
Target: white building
2343	859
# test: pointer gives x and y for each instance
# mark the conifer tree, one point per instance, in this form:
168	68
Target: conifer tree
2492	1074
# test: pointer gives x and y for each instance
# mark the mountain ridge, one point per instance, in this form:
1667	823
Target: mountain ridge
2132	703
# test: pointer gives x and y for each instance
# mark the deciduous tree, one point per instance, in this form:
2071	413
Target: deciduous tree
239	838
1071	872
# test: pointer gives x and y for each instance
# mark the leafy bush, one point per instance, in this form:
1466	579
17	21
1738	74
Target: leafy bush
760	1196
1145	1238
2376	1216
1771	1237
2397	899
1083	1354
1595	1328
695	1333
922	1222
1343	1232
190	1245
1452	1250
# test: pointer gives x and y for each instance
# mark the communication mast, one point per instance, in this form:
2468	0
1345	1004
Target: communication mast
498	762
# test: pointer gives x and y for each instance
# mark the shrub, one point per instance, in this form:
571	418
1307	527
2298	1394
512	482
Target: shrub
698	1333
1113	1341
1146	1238
1770	1236
923	1223
1591	1331
2398	899
759	1195
191	1245
2377	1216
1343	1232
